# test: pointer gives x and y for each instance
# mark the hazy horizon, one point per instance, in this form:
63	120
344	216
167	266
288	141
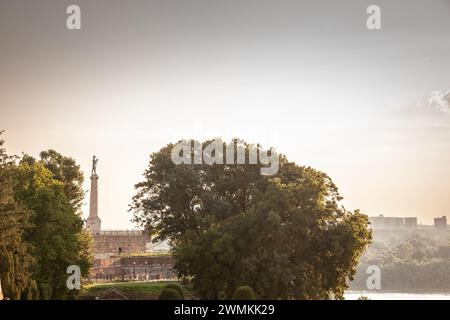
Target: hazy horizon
369	108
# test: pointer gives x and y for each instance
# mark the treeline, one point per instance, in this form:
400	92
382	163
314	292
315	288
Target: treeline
41	229
413	263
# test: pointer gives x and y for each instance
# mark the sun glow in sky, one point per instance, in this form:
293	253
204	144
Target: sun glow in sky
307	79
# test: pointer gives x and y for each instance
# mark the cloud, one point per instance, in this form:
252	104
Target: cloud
440	100
432	111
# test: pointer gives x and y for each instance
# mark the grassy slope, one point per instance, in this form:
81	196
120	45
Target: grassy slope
136	287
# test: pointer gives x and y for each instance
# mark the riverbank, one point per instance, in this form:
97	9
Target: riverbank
354	295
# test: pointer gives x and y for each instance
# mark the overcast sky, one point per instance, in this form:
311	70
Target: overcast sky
370	108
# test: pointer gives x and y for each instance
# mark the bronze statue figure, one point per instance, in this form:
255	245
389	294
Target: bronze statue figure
94	165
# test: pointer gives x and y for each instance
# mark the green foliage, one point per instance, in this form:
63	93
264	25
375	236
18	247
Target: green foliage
56	234
363	298
244	293
140	287
285	235
170	294
15	257
40	229
65	170
176	287
412	263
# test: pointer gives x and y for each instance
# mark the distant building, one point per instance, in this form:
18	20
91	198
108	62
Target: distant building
115	242
124	254
410	222
440	223
121	242
392	223
137	268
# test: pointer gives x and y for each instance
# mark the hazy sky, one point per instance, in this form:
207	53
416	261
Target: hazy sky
307	78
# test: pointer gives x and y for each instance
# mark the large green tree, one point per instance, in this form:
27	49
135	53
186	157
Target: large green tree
56	233
41	230
64	169
15	258
285	235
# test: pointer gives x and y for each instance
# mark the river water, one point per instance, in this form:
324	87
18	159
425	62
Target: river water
354	295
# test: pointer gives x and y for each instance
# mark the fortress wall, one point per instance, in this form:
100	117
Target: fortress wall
120	242
134	268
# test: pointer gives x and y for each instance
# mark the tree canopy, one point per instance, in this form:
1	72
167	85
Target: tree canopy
65	170
285	235
15	258
57	230
41	230
415	262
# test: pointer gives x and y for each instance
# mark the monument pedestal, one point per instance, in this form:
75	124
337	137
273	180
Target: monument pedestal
93	223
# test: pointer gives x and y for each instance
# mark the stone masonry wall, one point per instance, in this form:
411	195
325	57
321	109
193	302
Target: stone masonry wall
134	268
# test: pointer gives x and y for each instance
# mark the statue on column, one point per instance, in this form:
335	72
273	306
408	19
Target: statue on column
94	165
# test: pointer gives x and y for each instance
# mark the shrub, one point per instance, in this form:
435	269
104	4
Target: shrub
176	287
244	293
170	294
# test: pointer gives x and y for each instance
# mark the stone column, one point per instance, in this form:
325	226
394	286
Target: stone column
94	222
93	206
